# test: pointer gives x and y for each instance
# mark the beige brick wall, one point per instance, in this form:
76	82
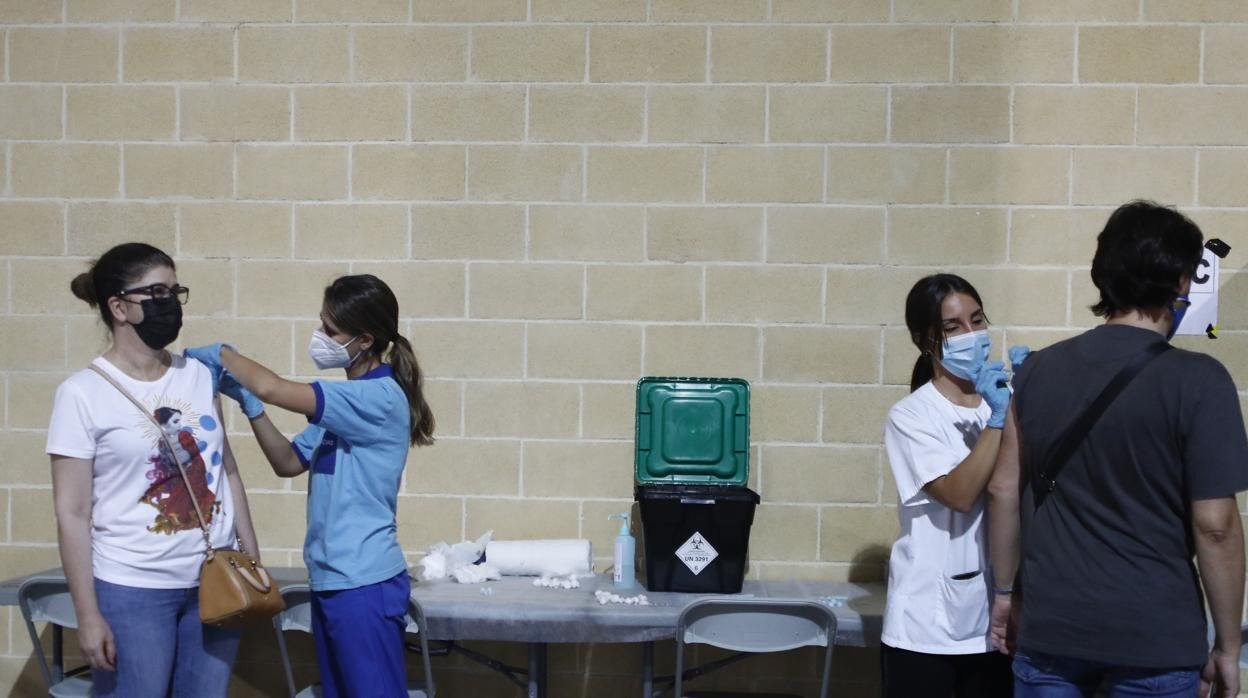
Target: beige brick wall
569	194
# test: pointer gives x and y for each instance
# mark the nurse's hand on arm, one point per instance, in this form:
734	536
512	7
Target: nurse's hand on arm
71	493
962	486
229	386
271	388
1018	354
1003	536
252	385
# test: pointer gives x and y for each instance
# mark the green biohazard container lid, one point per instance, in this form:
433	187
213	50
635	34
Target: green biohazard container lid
693	430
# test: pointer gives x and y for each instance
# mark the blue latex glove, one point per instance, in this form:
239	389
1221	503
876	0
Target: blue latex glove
210	356
231	388
990	383
1018	354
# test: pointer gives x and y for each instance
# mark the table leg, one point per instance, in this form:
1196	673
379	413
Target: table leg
537	670
647	669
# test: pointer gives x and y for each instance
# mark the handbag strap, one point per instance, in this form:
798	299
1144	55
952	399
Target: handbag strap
1073	437
173	454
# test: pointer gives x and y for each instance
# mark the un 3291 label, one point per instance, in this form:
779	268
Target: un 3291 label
696	553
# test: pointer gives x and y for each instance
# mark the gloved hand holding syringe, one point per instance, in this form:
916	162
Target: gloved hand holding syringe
992	382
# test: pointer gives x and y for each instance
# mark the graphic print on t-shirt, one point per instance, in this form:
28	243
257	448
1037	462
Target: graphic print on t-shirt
167	492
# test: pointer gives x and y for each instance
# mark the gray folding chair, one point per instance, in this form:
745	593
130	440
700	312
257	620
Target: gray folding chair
298	617
755	626
47	600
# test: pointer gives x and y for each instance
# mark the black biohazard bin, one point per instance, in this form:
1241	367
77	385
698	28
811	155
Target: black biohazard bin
692	464
696	537
692	470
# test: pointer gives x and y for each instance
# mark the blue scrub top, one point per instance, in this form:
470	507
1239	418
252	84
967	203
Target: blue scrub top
356	447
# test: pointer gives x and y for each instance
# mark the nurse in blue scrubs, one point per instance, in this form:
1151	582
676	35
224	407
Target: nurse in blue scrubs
354	449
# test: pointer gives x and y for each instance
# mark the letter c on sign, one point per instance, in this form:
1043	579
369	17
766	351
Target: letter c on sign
1201	278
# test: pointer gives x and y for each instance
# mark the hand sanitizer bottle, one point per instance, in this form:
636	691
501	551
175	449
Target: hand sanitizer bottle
625	555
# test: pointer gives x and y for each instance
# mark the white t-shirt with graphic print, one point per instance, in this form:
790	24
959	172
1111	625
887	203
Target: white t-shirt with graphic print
144	529
938	577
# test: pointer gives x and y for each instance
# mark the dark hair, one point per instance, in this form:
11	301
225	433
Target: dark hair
164	414
116	269
925	320
364	304
1141	255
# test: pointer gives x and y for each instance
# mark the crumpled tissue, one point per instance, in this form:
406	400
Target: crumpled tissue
458	562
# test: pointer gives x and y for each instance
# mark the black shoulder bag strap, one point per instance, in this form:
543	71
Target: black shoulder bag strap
1045	479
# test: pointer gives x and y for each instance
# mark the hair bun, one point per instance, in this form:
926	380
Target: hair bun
84	288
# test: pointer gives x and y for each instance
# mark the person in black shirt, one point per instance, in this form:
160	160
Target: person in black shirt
1106	592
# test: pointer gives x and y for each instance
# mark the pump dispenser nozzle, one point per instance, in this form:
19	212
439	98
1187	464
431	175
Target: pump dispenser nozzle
625	521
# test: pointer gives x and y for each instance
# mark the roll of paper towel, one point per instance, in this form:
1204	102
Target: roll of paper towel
540	557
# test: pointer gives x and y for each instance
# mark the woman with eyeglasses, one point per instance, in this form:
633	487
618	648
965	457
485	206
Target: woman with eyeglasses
942	442
127	526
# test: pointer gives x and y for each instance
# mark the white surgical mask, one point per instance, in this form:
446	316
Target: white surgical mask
965	353
326	353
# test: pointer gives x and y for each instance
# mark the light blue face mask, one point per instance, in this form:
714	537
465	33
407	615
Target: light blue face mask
964	354
1178	309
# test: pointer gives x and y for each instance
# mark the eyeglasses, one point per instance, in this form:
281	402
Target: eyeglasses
1181	303
182	293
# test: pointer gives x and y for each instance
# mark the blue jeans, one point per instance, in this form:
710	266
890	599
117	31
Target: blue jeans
1038	675
162	648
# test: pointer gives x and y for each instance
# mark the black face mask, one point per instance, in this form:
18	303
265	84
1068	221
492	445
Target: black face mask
162	320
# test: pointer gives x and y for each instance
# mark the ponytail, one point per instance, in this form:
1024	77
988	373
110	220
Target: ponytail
364	304
922	373
407	374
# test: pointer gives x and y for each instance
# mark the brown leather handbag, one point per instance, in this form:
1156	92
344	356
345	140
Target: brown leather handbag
234	588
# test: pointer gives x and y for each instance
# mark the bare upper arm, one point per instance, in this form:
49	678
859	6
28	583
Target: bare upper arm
72	482
1215	518
1008	469
228	462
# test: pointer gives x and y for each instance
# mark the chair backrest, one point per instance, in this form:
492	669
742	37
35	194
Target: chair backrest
757	625
47	600
298	612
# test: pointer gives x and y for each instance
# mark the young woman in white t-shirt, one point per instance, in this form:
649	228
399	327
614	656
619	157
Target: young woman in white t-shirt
129	536
942	443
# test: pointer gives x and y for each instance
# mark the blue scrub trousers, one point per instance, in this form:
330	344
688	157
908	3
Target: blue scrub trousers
359	639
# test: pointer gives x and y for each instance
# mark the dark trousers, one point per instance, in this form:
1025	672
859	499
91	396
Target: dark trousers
909	674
